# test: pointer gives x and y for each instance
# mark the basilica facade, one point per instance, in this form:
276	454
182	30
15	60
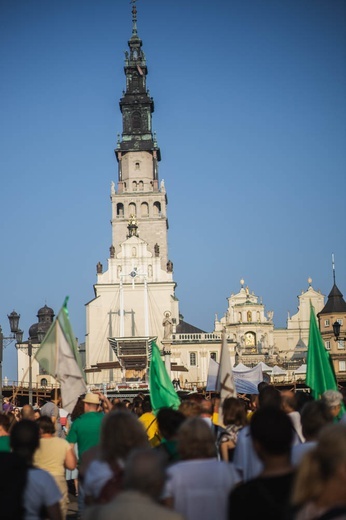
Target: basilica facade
134	300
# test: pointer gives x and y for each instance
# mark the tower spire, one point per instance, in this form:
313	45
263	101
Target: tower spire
134	17
136	104
333	266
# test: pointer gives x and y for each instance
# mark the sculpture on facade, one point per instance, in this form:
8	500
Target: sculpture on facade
167	325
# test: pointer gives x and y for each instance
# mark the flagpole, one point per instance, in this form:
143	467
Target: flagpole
121	308
146	306
56	354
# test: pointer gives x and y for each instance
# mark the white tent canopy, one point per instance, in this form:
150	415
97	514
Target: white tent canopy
240	368
301	369
265	368
277	371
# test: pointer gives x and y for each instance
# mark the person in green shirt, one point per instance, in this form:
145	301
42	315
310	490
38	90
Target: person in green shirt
85	432
5	423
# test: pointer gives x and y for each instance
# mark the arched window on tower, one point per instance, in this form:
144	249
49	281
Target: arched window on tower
135	82
136	120
144	209
137	166
120	209
134	185
132	209
157	209
141	186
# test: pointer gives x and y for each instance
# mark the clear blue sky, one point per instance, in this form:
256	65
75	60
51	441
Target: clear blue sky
250	115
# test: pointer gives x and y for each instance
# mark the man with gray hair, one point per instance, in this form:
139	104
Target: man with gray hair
143	481
334	401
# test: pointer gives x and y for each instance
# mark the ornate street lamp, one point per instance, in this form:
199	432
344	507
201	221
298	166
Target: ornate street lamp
16	334
336	331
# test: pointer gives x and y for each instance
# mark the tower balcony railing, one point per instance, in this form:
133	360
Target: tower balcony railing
202	337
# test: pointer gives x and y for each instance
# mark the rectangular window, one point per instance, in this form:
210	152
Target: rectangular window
340	321
341	344
213	355
326	323
327	344
193	359
342	366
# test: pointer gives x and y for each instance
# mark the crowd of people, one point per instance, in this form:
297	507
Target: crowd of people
275	454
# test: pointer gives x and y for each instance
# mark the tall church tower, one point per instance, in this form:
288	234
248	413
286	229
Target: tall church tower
139	193
134	300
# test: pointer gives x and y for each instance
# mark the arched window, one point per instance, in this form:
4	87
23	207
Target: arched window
132	209
157	208
134	186
135	80
120	209
144	209
137	166
136	120
44	382
141	186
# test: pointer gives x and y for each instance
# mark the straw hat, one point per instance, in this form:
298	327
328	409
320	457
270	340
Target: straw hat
91	398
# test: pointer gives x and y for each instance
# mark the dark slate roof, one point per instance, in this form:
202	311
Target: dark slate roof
186	328
335	302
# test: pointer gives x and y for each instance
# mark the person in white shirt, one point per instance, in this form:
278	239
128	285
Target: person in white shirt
245	458
314	416
198	485
41	490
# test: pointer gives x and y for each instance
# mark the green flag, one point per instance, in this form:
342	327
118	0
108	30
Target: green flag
320	375
58	356
162	393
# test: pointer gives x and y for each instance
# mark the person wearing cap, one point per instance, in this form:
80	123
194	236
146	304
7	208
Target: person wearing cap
334	400
85	432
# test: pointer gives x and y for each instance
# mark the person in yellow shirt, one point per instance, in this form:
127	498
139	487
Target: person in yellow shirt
149	421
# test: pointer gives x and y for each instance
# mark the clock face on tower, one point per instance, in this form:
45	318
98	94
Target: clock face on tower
250	339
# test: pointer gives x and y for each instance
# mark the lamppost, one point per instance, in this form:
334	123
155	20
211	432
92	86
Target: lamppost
28	347
336	331
16	334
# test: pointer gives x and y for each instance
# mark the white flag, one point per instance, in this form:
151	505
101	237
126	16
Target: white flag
225	382
59	357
